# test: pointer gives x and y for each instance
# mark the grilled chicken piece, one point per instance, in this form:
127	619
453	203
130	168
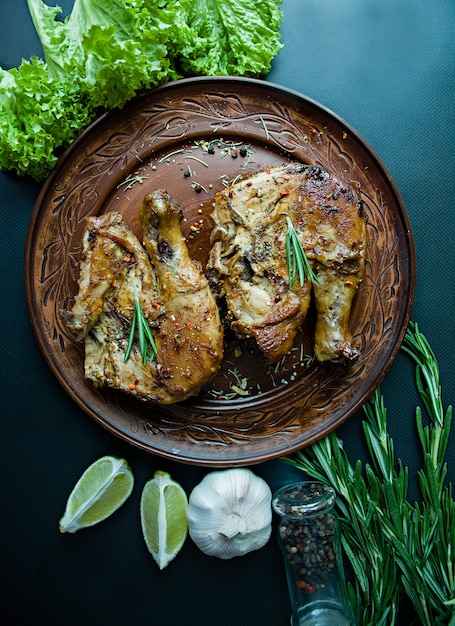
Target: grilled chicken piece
174	297
190	337
249	254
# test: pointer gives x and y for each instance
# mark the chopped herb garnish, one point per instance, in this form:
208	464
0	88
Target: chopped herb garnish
171	154
241	384
198	187
146	341
132	180
196	159
266	130
237	388
297	260
308	360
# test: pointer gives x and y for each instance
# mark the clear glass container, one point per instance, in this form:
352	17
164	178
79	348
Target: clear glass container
309	538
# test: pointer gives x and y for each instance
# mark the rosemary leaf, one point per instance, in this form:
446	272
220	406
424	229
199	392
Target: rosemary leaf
296	259
140	330
131	337
290	258
149	337
140	324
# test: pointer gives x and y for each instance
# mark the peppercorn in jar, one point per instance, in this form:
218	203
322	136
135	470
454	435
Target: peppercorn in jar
309	538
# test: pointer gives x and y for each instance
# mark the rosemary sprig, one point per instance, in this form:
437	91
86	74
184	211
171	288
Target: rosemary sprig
395	547
375	594
297	260
140	324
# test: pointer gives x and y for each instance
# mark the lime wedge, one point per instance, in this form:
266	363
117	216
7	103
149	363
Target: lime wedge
101	490
163	517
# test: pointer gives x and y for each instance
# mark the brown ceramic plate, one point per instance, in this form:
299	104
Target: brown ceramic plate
249	413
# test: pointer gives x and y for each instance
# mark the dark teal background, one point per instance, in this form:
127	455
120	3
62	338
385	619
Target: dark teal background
387	67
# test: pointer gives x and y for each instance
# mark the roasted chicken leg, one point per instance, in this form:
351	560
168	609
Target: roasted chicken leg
174	298
249	255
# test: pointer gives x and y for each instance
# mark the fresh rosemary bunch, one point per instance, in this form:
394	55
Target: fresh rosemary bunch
297	260
395	547
140	324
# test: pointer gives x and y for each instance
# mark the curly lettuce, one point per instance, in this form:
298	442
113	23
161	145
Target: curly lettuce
231	37
104	53
38	115
112	49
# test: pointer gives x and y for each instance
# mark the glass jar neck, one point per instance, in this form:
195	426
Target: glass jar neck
307	498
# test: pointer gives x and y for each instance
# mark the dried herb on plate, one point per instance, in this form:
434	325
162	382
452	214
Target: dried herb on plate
395	547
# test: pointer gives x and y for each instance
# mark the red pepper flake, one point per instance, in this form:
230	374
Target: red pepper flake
234	153
309	246
249	183
313	131
114	283
188	325
129	258
284	192
301	584
230	194
345	135
267	169
348	283
155	305
166	274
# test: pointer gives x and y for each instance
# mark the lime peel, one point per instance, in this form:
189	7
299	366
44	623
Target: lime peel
100	491
163	517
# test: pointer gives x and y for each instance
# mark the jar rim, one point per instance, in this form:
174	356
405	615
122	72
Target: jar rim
307	497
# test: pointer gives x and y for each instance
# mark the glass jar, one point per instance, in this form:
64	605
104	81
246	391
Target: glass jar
309	538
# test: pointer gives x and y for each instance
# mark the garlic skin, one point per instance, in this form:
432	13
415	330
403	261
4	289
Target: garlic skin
229	513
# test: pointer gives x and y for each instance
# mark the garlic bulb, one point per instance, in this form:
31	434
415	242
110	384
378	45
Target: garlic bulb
229	513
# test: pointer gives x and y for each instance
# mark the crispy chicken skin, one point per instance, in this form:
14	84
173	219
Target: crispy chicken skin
249	254
174	296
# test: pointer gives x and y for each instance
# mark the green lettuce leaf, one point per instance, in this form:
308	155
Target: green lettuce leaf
231	37
112	49
38	115
65	42
105	52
